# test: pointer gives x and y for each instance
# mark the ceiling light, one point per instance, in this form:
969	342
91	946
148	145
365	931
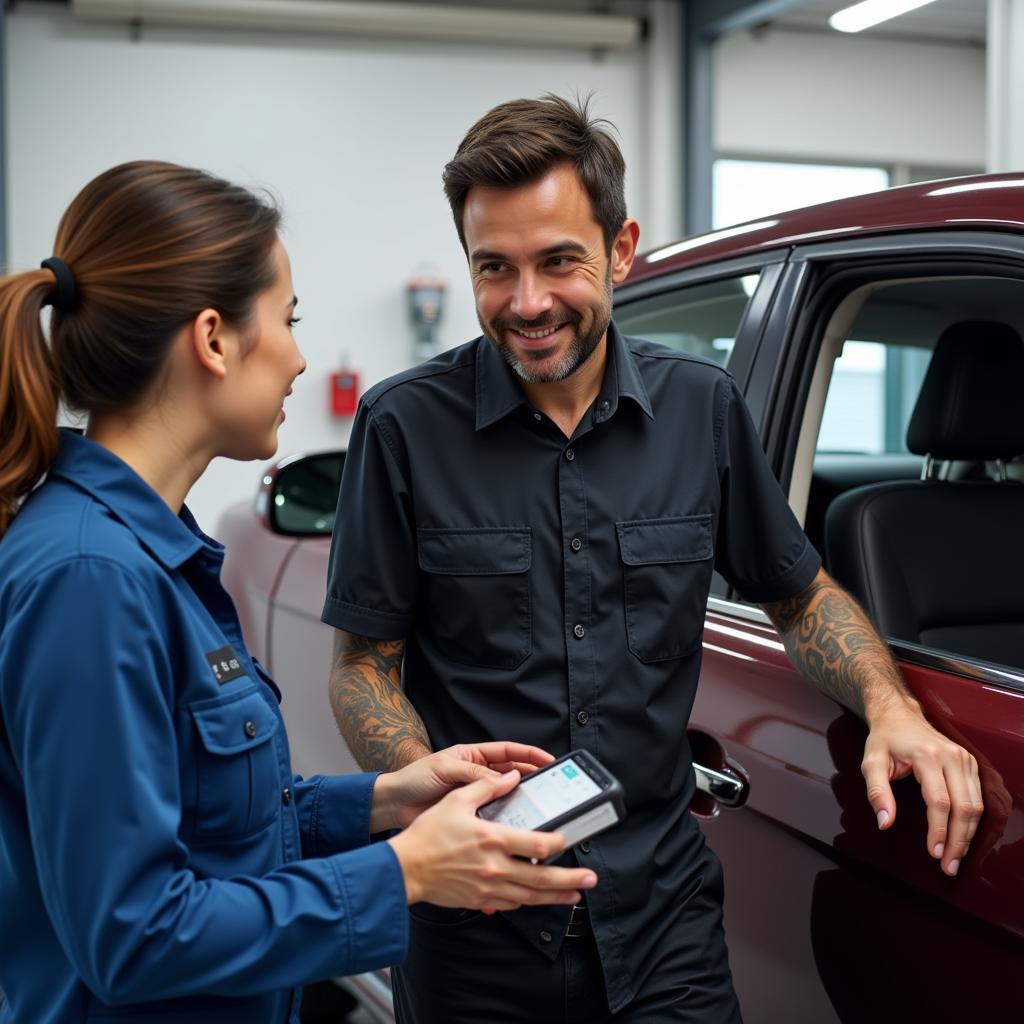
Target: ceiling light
872	12
442	22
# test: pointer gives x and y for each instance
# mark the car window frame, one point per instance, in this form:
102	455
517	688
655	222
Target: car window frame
814	280
769	268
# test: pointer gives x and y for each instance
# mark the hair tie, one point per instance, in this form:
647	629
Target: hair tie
65	296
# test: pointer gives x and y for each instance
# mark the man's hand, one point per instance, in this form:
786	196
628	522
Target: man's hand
901	741
834	646
400	797
452	858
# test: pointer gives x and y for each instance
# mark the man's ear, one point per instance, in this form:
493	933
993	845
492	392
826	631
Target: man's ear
624	250
207	335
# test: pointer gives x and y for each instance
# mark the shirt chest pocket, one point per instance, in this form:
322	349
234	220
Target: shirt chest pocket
478	594
666	570
237	779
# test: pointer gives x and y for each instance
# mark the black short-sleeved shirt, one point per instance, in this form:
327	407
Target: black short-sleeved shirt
552	591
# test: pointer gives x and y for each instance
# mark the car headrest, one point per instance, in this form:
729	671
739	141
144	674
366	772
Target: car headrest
971	404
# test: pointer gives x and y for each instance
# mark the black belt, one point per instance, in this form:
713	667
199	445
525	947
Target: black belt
579	922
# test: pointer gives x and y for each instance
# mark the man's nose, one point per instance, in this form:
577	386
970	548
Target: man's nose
531	298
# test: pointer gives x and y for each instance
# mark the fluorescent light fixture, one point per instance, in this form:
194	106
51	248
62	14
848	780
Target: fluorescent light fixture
872	12
440	22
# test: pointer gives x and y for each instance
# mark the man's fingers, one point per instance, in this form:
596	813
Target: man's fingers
875	769
964	788
938	803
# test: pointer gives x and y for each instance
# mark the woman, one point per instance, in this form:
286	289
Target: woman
158	861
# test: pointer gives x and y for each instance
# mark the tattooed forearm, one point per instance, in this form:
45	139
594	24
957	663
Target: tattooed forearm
379	724
834	646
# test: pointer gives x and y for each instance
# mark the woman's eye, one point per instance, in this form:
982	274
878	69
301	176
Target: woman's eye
292	321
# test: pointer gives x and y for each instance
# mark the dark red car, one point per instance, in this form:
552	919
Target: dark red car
829	319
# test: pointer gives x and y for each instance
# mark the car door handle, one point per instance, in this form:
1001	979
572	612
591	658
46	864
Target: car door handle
722	784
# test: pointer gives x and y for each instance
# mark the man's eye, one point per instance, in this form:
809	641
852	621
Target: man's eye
560	262
492	268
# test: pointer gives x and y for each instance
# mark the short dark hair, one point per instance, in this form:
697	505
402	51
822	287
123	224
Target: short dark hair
519	142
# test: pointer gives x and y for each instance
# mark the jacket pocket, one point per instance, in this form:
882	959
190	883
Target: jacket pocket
478	594
237	775
666	569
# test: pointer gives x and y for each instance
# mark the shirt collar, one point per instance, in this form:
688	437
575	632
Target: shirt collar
171	539
498	391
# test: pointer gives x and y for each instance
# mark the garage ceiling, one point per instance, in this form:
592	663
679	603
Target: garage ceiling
960	21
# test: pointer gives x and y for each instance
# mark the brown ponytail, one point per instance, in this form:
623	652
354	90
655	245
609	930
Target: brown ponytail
28	390
149	245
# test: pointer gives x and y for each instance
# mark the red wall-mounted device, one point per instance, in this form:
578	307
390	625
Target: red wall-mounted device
344	392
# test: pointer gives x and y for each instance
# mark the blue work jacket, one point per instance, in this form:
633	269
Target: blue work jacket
158	859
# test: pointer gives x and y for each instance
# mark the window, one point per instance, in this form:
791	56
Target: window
751	189
701	319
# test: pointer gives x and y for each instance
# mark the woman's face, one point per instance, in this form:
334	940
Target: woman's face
265	369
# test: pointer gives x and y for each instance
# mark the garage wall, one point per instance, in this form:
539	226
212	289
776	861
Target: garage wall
850	99
351	135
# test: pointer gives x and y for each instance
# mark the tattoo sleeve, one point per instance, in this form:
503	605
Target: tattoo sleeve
834	646
381	727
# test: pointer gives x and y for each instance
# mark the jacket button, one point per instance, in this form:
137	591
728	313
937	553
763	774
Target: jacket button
585	846
576	544
250	729
579	631
582	717
286	797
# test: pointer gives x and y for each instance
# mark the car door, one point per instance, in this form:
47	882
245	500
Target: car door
827	918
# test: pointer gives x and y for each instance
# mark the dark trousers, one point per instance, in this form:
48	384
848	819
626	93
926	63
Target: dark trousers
468	968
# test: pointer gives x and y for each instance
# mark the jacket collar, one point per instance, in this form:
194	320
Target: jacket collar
90	467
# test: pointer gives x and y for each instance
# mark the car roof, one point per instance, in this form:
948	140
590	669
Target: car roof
981	201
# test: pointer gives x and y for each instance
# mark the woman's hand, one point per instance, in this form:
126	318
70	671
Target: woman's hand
400	797
452	858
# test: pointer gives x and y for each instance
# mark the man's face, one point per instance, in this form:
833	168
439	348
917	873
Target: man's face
541	276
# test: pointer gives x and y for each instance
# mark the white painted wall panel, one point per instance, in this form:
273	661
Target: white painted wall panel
844	98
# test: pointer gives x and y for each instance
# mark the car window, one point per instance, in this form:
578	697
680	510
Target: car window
881	529
870	397
701	319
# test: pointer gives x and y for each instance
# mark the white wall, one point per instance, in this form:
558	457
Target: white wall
846	98
350	134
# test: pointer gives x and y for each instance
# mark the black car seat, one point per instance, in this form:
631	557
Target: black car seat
937	562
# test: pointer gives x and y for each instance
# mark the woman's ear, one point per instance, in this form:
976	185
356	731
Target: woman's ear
208	336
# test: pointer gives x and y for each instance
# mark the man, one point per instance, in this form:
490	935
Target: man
526	531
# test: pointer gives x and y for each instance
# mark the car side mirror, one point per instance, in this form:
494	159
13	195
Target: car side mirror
299	496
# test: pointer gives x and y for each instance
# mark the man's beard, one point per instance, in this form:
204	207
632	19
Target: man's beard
579	351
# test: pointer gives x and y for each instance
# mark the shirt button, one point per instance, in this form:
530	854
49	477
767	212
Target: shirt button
585	846
537	416
250	729
286	797
582	717
605	405
576	544
570	454
545	936
579	631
